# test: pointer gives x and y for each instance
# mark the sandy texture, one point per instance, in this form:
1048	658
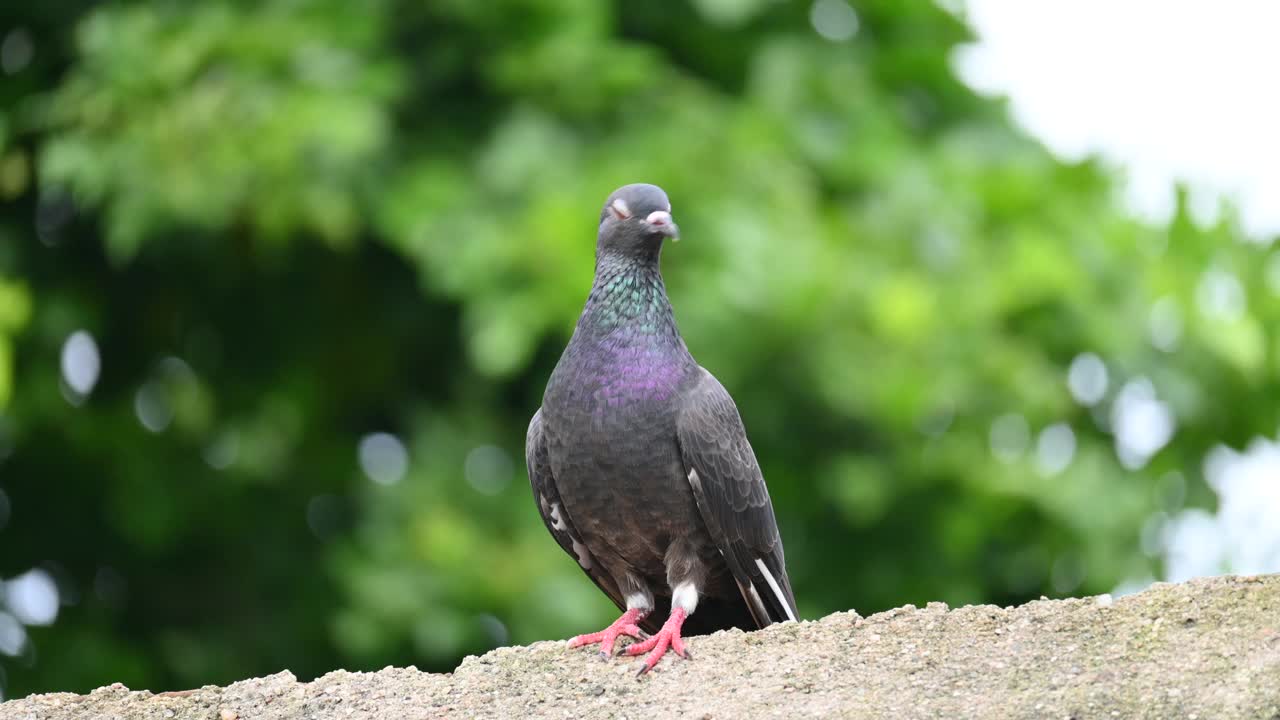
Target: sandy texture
1205	649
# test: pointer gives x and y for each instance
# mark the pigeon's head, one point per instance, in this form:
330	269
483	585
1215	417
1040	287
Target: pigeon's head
636	219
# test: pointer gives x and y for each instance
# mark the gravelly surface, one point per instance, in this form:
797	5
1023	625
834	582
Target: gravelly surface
1205	649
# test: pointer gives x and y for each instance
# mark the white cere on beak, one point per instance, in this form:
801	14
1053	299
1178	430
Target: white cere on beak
619	209
659	217
660	220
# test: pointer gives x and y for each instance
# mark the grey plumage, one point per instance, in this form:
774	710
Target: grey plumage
638	459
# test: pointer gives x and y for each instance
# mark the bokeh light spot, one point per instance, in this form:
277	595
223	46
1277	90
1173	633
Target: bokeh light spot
1055	447
33	598
81	363
1087	379
16	51
151	405
1220	295
834	20
1142	424
383	458
1243	535
13	637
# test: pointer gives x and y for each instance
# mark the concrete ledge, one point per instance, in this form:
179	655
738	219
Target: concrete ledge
1204	649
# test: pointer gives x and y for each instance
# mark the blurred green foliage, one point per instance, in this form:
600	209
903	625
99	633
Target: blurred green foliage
291	223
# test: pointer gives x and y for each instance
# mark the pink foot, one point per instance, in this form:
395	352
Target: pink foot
625	625
656	646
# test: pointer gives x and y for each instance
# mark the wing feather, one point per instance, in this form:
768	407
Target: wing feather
733	499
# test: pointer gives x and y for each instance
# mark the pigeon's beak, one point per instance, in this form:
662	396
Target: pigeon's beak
659	221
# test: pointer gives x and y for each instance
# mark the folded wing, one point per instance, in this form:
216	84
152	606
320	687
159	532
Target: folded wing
733	500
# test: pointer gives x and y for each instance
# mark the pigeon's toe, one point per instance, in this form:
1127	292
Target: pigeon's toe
656	646
625	625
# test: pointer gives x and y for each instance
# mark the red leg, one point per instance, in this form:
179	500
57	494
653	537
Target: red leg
625	625
656	646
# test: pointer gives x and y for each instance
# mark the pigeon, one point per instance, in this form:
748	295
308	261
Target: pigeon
639	462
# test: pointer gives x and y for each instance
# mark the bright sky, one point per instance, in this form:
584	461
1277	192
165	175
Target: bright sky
1165	90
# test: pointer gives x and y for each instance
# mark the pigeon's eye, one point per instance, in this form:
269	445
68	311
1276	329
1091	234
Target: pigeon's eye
619	209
